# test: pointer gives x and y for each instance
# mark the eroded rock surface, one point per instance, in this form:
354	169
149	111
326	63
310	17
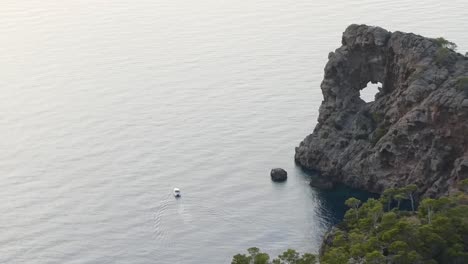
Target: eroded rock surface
416	130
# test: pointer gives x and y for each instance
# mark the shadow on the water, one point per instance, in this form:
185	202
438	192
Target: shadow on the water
333	201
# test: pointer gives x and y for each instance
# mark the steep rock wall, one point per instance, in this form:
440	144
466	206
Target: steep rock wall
416	130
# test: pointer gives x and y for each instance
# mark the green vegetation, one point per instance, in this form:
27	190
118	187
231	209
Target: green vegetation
441	55
378	134
354	204
417	73
463	185
445	47
377	117
443	43
290	256
377	231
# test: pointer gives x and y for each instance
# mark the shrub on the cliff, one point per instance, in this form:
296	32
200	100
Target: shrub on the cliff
442	54
377	117
417	73
463	185
443	43
445	48
378	134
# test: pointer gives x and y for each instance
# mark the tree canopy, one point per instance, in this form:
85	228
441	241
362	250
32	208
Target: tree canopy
377	231
436	233
290	256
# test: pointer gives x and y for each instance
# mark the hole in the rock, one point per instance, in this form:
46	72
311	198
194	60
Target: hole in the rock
368	93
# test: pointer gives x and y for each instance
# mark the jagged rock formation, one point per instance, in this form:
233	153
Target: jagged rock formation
416	130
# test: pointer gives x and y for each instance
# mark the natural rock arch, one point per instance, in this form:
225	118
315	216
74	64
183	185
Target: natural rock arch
371	145
368	93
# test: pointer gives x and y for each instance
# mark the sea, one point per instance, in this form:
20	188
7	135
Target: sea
107	105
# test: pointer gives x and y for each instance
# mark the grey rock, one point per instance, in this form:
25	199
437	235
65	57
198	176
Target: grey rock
414	132
278	175
322	184
465	103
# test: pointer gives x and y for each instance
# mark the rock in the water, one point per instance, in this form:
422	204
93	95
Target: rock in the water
416	129
322	184
278	175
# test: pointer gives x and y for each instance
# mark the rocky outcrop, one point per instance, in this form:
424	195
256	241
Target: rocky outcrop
322	184
416	130
278	175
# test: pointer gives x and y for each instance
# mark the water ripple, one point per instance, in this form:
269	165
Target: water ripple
104	108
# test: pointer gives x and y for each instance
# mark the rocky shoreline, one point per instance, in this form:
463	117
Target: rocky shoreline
416	130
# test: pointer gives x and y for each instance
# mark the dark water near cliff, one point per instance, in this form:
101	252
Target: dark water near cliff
105	106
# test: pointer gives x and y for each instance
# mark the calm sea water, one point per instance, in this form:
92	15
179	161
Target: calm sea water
105	106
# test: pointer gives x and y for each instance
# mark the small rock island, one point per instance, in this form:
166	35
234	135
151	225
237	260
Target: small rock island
278	175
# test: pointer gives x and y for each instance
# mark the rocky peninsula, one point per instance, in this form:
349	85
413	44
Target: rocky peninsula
416	130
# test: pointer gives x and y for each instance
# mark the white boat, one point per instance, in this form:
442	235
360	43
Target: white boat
176	192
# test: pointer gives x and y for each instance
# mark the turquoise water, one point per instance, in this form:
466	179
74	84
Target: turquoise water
106	106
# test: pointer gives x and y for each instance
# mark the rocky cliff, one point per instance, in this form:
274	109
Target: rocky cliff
416	130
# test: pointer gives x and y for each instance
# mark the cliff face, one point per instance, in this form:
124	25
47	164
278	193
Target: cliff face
416	130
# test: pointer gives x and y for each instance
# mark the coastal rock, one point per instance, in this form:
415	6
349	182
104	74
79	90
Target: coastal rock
322	184
465	103
416	129
278	175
